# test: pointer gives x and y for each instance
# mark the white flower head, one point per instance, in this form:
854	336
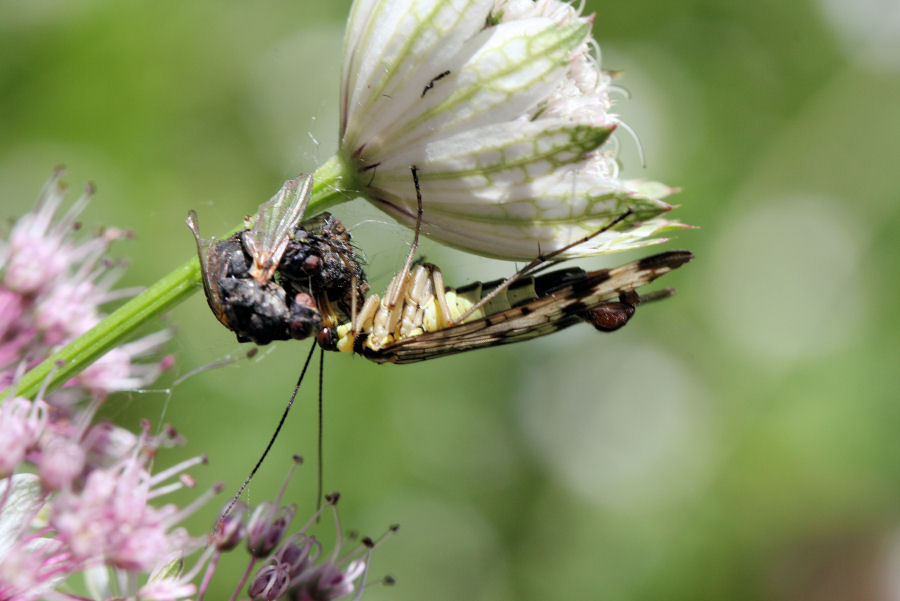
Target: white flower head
502	107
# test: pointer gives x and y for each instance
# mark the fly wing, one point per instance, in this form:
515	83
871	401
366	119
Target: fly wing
546	314
275	221
211	269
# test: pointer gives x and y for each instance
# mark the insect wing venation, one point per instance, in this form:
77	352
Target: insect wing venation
275	221
556	309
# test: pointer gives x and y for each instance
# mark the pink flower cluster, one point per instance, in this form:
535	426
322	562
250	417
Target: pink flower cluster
79	500
52	287
75	495
79	496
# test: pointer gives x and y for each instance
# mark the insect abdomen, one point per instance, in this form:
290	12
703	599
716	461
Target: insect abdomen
419	310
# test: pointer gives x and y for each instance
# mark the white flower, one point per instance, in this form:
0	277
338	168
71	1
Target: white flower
504	111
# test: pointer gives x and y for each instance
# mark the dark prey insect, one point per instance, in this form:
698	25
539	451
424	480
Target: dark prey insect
278	278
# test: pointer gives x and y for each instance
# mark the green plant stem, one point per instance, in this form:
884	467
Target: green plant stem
331	186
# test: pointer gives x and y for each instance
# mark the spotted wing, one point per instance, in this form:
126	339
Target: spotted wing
553	311
275	221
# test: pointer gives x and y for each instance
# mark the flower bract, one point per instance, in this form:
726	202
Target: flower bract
502	107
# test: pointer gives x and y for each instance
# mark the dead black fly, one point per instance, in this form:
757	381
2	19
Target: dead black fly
281	278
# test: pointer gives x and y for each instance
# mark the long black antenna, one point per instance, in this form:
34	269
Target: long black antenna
284	415
321	469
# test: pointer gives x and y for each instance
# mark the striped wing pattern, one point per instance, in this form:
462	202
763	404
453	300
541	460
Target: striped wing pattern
553	311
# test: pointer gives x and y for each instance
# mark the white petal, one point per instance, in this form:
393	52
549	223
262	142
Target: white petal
495	155
523	232
527	240
412	83
391	50
501	74
503	110
519	188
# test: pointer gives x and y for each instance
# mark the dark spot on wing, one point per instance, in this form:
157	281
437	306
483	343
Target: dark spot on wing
550	282
672	259
576	308
589	283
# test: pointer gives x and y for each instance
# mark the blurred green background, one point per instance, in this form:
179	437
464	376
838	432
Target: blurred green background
738	441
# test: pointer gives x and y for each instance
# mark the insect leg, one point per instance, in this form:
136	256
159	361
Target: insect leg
366	315
394	297
419	295
364	323
655	296
440	297
387	322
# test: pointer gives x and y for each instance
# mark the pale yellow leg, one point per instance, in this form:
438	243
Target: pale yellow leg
366	315
418	296
440	297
